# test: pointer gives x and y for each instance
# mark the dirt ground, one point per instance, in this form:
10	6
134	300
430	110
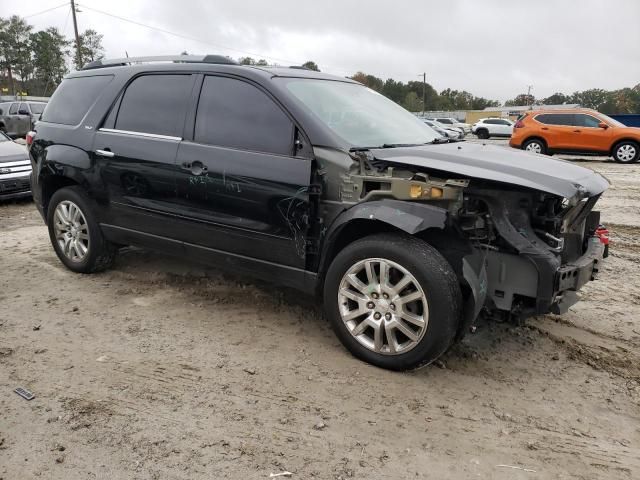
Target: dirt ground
159	369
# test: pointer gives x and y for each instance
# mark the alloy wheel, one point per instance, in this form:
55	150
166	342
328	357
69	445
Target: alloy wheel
71	231
383	306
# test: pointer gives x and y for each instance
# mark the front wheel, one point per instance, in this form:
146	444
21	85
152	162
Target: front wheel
75	234
393	301
626	152
482	134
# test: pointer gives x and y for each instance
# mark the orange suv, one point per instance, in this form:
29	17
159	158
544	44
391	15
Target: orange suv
581	131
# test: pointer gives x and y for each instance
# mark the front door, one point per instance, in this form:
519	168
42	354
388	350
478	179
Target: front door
588	135
135	152
242	188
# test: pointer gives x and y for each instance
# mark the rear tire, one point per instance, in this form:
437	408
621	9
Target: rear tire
626	152
383	322
75	234
535	145
482	134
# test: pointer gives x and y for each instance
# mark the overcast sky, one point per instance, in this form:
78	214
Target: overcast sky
492	48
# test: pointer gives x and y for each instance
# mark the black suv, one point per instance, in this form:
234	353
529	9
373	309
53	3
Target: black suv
318	183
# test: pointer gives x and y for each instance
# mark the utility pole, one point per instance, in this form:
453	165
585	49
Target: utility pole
529	87
424	91
75	29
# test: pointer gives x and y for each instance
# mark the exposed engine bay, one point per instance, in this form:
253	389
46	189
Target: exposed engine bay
527	251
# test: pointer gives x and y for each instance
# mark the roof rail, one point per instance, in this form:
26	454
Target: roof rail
113	62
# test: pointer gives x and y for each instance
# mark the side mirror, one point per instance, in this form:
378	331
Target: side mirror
23	112
603	125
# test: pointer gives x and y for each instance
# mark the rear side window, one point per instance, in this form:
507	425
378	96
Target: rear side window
73	98
155	104
556	119
445	120
233	113
4	108
14	109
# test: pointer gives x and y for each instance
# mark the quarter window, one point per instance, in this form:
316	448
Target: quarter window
233	113
73	98
155	104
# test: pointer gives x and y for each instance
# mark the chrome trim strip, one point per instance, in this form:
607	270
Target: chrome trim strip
19	163
11	176
141	134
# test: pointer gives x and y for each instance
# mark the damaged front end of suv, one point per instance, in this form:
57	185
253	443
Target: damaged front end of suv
520	231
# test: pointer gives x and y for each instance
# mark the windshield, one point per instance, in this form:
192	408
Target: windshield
611	121
37	108
360	116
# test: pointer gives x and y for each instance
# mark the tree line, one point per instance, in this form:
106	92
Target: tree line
624	100
36	62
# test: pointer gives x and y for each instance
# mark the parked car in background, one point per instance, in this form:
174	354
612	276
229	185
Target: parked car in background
15	169
451	134
316	182
579	131
452	122
17	118
492	127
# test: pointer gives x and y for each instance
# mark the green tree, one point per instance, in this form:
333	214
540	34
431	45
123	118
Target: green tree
557	98
91	48
311	65
251	61
592	98
15	53
520	100
49	51
412	102
370	81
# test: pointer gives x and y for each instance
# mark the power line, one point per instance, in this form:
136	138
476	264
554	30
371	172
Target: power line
186	37
47	10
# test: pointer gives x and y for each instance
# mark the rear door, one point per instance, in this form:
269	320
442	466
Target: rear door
135	152
24	119
556	129
11	121
242	187
588	136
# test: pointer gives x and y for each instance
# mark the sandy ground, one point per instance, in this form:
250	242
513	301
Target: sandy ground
159	369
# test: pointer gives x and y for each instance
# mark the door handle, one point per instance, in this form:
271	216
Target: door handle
577	131
544	128
196	168
105	153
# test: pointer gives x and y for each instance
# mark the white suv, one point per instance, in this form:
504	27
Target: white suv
492	127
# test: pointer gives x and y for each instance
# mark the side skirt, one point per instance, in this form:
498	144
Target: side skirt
296	278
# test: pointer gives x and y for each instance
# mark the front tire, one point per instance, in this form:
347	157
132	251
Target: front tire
75	234
393	301
626	152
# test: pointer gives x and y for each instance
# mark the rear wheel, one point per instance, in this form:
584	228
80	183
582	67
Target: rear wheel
393	301
626	152
535	146
75	234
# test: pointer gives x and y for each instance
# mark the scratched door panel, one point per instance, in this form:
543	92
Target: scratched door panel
244	202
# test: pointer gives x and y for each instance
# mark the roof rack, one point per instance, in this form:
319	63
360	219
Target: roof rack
114	62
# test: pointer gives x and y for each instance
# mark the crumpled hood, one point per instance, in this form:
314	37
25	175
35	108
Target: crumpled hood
501	164
12	152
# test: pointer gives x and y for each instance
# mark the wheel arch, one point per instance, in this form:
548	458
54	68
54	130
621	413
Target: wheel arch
622	140
534	137
426	222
